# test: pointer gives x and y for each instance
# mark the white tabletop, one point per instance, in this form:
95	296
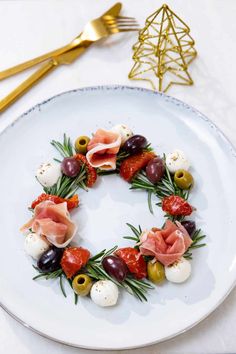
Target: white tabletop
29	28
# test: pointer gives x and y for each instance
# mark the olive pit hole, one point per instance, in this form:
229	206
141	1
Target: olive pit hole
81	281
82	142
180	174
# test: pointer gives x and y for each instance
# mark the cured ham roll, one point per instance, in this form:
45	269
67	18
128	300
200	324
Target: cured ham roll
166	245
53	222
103	149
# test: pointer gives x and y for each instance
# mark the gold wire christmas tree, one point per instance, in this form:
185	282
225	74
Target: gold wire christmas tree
165	49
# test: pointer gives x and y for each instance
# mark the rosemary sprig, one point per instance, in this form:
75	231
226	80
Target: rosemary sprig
135	287
166	186
62	286
174	218
105	173
150	201
120	157
47	275
197	237
67	186
51	275
162	189
94	267
54	275
136	231
75	295
104	253
66	148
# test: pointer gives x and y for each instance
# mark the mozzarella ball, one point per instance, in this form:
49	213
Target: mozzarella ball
177	160
104	293
179	271
124	132
35	245
48	173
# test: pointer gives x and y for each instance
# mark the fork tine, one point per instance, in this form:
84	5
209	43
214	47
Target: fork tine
114	24
128	19
125	20
117	23
115	28
118	30
125	17
128	29
123	25
115	20
120	24
118	19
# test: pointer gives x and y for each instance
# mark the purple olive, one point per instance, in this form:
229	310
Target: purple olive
190	226
135	144
50	259
115	267
155	170
70	167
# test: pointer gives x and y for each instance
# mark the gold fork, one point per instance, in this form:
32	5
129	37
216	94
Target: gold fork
94	30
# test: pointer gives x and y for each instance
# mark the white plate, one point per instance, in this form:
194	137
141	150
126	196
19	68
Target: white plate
171	309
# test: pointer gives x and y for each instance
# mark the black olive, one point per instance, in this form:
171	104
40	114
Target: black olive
135	144
190	226
50	259
155	170
115	267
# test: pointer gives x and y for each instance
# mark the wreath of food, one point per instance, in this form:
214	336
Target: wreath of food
156	255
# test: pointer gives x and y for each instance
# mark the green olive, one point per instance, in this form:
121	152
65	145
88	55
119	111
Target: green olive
81	144
82	284
156	272
183	179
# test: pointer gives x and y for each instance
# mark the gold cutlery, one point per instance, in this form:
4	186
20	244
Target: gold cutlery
102	27
113	11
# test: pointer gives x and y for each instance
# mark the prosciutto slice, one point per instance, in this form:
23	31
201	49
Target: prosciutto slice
52	221
166	245
103	148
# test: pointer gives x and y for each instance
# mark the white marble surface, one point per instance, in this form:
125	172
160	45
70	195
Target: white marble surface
29	28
